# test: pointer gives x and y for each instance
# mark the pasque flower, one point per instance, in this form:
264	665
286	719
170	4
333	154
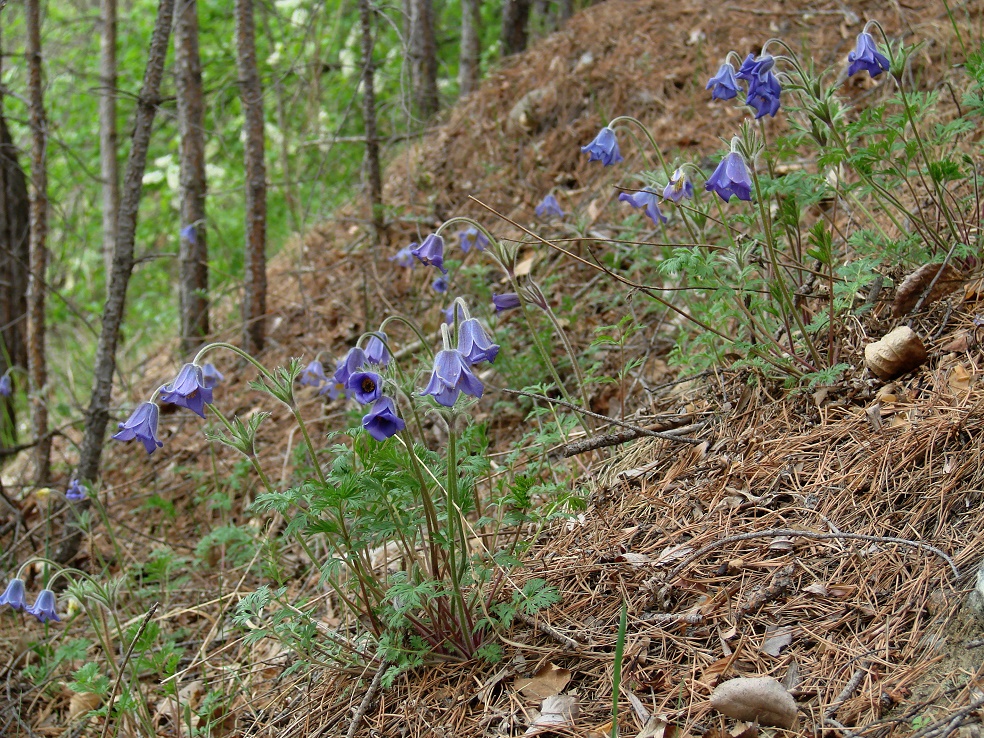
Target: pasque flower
382	421
604	148
352	362
507	301
142	425
188	390
474	343
366	386
440	284
313	375
646	199
755	67
723	85
76	491
376	352
731	178
548	207
450	310
866	56
472	238
211	376
14	595
404	257
6	386
44	607
679	187
451	377
430	252
763	86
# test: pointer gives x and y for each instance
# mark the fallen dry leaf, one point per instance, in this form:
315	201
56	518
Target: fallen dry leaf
81	703
777	639
548	681
899	352
960	380
556	711
755	699
913	286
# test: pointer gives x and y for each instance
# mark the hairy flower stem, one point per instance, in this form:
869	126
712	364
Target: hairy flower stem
457	531
430	510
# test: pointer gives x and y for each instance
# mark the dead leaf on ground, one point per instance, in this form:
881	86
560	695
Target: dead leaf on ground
913	286
657	727
81	703
897	353
548	681
776	639
755	699
960	380
557	711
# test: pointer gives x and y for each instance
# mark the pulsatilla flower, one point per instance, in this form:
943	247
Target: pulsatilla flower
451	377
763	86
430	252
44	607
404	257
866	56
472	238
6	386
450	310
679	187
76	491
211	376
376	352
507	301
14	595
142	425
646	199
440	284
723	85
353	361
188	390
474	344
313	375
604	148
548	207
731	178
755	67
382	421
366	386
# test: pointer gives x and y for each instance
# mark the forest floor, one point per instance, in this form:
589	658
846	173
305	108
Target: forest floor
869	634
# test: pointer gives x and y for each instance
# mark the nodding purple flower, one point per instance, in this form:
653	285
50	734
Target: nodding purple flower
679	187
449	313
474	343
14	595
6	386
763	95
724	84
188	390
354	360
76	491
313	375
507	301
549	207
866	56
142	425
404	257
44	607
731	178
755	67
451	377
472	238
376	352
430	252
648	200
211	376
366	386
604	148
440	284
382	420
189	234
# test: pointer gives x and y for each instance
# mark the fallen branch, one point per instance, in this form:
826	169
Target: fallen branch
848	691
946	725
549	630
367	700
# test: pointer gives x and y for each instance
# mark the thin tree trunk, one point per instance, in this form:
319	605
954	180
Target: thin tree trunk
193	254
251	94
423	57
107	131
468	63
373	178
97	415
565	11
38	257
515	17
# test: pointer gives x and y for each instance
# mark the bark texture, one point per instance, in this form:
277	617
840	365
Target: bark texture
374	184
193	254
107	131
468	63
251	95
38	257
97	415
515	18
423	57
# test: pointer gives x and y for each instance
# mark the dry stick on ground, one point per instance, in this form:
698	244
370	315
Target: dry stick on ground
848	690
635	428
946	725
549	630
790	532
367	700
126	660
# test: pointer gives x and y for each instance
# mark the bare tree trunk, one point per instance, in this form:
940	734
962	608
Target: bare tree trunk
515	17
565	11
468	62
373	178
251	94
193	254
423	57
38	257
97	415
107	131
